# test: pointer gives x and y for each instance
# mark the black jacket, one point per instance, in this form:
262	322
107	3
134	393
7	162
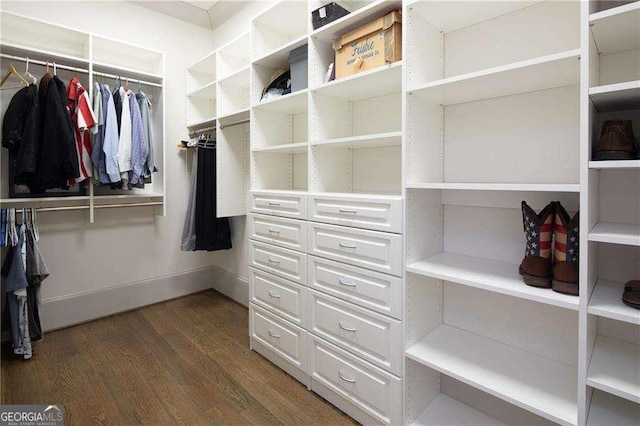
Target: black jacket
21	134
58	154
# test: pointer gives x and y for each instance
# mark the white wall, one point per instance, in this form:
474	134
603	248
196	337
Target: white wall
129	246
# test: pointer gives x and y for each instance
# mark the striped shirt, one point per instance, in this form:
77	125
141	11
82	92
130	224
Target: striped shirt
83	120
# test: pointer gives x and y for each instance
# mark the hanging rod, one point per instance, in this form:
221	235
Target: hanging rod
147	83
99	206
202	131
43	63
235	123
112	206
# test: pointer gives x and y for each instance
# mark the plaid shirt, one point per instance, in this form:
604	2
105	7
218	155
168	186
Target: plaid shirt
139	144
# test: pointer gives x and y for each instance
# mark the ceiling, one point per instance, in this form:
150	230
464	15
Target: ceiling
208	14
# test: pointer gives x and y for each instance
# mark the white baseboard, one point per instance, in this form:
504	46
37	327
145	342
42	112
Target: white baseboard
78	308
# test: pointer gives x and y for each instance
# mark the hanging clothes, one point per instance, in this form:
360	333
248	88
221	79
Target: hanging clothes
110	144
189	228
211	233
21	134
97	154
83	120
139	146
124	142
58	159
37	272
117	102
147	125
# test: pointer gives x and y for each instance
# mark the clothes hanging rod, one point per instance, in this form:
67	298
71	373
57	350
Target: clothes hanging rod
99	206
133	80
112	206
235	123
194	133
43	63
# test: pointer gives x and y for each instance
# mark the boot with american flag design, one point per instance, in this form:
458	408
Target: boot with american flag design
536	265
566	251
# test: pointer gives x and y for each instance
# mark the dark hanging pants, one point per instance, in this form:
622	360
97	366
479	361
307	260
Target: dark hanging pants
211	233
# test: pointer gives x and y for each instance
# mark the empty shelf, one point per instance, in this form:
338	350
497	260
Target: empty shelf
606	301
208	91
616	233
546	72
616	29
491	275
538	384
609	410
279	57
621	164
445	410
616	97
614	368
528	187
365	141
289	148
379	81
293	103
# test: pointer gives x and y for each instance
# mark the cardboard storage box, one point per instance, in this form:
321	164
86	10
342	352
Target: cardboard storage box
370	46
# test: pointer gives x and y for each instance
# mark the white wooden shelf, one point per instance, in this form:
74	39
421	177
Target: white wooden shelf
616	233
616	29
205	65
532	382
239	78
365	141
445	410
233	117
622	164
279	57
609	410
293	103
15	49
365	85
131	73
208	91
208	122
490	275
452	16
546	72
354	20
614	368
290	148
526	187
606	301
616	97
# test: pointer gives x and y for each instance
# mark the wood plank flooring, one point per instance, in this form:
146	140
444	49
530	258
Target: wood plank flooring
185	361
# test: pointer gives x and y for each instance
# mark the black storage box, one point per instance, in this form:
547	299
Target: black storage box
326	14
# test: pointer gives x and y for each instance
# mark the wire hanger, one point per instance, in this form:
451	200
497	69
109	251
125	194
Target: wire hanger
139	86
126	84
55	69
117	83
12	71
28	75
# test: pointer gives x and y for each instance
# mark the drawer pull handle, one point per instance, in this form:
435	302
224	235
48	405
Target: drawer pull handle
273	203
273	260
346	283
273	230
272	334
346	379
348	211
345	328
349	246
274	295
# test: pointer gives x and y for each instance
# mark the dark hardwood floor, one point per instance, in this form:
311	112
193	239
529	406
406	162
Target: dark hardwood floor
185	361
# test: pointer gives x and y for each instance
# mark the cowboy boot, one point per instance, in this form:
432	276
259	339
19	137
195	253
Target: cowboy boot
566	252
536	265
617	141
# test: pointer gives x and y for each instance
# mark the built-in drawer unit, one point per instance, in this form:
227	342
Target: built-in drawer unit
278	335
369	212
379	251
285	298
379	292
280	203
333	371
373	337
287	233
282	262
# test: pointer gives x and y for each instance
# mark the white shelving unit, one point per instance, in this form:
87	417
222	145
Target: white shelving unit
91	58
610	253
218	100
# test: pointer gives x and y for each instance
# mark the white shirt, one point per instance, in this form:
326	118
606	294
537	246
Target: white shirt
124	143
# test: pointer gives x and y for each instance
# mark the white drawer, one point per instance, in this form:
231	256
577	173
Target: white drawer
287	233
284	263
374	250
369	212
373	337
285	298
375	392
379	292
280	203
283	338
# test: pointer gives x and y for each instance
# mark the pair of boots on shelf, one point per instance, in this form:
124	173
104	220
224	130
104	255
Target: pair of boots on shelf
617	142
631	294
551	262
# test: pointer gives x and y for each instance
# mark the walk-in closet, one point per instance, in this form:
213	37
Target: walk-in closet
316	212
